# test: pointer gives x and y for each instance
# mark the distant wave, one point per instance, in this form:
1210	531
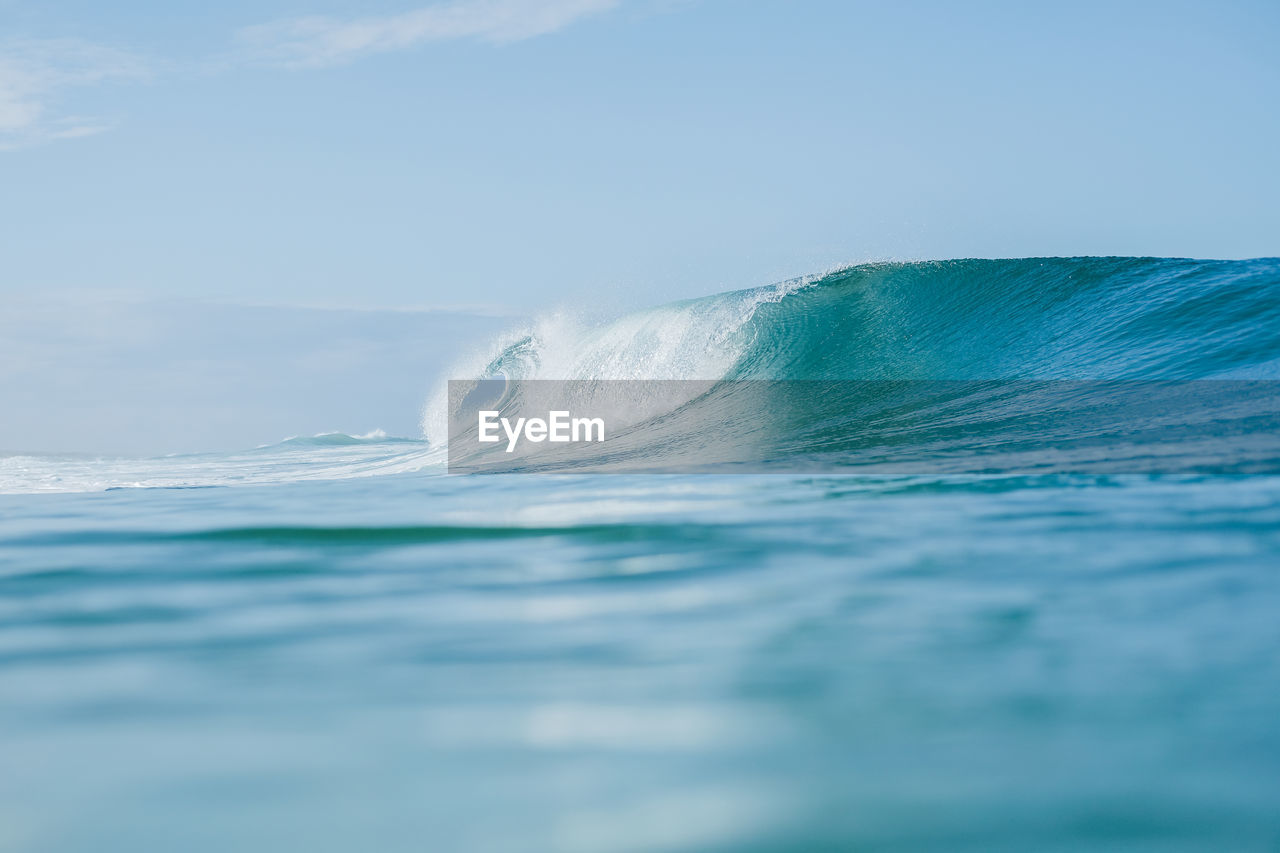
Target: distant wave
339	439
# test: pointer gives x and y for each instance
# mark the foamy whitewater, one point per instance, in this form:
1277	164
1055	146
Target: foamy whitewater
331	643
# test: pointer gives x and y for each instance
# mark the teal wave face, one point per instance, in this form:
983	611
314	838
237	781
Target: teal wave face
1065	318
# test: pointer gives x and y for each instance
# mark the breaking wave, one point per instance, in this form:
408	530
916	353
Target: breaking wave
1101	319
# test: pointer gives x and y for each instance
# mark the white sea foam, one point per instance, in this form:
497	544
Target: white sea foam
700	339
329	456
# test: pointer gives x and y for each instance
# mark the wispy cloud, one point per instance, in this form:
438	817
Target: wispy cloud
321	41
36	73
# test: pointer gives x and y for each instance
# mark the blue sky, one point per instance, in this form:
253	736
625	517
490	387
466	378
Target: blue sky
519	154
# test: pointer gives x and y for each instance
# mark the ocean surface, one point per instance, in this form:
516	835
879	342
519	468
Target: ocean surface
334	644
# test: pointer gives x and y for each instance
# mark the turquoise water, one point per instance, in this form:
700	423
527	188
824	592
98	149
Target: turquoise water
331	644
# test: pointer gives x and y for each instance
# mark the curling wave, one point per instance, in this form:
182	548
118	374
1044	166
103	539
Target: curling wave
1029	320
969	319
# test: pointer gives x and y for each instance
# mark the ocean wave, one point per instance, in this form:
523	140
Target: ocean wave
1032	321
1068	318
1021	319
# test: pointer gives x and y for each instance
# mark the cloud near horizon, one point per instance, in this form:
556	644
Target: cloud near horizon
35	73
315	42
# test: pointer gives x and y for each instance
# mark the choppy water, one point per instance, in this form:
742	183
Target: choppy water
333	645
